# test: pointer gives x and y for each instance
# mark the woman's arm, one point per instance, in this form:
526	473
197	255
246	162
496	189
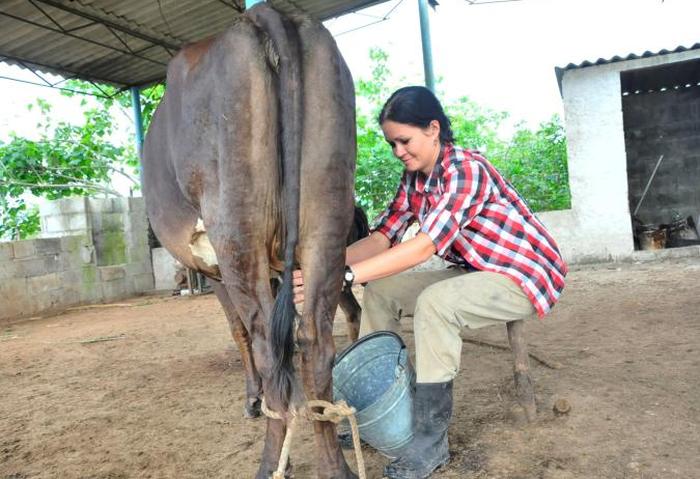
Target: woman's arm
394	260
379	260
366	248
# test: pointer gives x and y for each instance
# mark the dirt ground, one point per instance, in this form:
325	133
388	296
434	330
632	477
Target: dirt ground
153	388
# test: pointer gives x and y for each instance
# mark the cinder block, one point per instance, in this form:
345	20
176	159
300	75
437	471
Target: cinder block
70	279
114	290
72	205
71	260
49	300
52	263
111	273
49	208
69	297
112	222
118	205
62	206
77	222
89	286
29	267
73	242
23	249
99	205
55	224
139	254
142	282
45	246
8	269
6	252
15	288
44	283
137	204
136	268
164	268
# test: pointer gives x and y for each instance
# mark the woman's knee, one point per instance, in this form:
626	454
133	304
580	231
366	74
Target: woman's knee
430	298
385	288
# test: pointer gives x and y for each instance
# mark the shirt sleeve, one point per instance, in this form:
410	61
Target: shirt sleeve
466	187
396	219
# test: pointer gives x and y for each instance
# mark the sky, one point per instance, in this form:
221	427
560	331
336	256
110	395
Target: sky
501	55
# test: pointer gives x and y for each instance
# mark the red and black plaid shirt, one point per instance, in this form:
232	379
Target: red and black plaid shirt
477	219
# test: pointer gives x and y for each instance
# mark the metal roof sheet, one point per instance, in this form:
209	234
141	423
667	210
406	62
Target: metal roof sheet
124	42
559	71
631	56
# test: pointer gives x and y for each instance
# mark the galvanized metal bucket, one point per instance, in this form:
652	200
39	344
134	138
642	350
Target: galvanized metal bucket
375	376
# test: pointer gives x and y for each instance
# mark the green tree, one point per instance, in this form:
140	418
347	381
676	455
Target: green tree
534	162
66	160
377	171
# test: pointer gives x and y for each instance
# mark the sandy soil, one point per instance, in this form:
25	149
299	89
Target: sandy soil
153	388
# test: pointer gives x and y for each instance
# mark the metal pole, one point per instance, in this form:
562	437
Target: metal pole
425	41
250	3
138	126
646	188
138	119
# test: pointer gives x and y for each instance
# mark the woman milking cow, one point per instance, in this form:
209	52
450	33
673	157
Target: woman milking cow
506	265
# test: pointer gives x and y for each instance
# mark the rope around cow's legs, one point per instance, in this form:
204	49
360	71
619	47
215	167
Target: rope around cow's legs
331	412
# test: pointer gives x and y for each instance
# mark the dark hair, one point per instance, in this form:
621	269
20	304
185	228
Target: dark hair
417	106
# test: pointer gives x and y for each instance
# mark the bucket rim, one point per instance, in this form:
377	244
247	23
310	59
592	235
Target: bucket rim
363	339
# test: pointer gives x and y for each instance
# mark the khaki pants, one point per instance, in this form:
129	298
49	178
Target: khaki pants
441	303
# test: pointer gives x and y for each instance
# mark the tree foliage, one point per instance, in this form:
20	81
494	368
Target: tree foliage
67	159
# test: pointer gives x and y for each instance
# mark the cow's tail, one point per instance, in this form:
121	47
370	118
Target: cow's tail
285	39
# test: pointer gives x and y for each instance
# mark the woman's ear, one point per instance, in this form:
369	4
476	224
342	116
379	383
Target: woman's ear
435	128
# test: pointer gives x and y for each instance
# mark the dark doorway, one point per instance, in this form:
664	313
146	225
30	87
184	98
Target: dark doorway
661	113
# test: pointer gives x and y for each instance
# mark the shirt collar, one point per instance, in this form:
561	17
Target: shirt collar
431	182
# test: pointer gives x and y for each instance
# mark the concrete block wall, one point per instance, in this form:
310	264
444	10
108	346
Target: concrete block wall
664	123
44	274
164	268
102	256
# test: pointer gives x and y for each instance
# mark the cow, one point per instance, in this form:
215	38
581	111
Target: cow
248	167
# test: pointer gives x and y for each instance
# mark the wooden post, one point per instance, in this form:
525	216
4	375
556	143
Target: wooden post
524	390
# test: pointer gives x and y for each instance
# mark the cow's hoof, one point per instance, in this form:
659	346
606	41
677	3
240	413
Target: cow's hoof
345	440
267	472
252	408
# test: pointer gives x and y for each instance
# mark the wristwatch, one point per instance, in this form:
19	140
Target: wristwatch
348	278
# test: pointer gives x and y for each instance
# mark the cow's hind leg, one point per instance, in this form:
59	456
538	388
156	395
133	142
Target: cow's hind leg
315	336
253	383
353	312
245	273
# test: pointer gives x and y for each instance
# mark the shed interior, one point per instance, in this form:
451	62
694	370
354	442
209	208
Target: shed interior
661	115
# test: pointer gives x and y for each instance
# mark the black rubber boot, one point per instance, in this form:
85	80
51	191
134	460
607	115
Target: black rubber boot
432	410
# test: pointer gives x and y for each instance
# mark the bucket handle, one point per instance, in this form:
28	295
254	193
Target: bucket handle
403	354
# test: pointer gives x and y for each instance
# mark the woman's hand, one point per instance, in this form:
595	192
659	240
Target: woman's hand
298	282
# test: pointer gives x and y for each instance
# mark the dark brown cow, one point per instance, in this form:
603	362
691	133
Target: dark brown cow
253	146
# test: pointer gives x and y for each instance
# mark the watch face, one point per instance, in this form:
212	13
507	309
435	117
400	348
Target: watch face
349	276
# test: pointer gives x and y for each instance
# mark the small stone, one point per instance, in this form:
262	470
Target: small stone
561	407
517	415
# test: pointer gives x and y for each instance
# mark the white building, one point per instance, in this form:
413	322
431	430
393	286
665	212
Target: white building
621	115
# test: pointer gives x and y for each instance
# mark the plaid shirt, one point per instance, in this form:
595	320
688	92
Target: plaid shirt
477	219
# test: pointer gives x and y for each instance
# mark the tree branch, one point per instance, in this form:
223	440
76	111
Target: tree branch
86	186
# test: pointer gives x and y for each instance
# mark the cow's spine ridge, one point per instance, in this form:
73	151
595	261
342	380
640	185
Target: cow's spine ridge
285	38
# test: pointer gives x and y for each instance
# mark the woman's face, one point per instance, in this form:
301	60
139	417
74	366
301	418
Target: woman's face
417	148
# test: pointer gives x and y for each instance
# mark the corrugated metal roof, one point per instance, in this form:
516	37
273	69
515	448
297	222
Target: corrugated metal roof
559	71
123	42
631	56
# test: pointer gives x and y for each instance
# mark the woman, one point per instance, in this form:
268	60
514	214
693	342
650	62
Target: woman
509	267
